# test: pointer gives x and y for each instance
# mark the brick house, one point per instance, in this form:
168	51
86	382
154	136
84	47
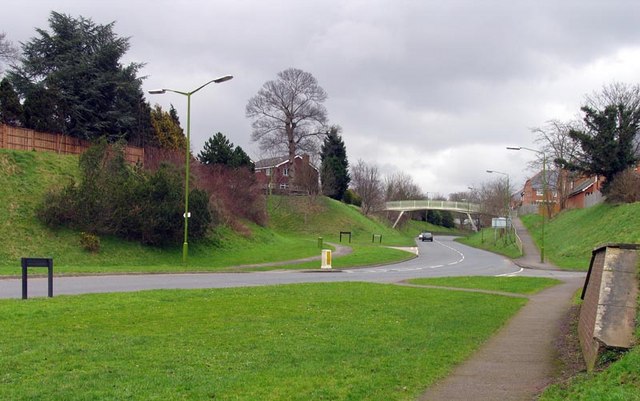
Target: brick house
532	195
275	175
584	192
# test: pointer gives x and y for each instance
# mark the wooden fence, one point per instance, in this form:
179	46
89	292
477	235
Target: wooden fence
26	139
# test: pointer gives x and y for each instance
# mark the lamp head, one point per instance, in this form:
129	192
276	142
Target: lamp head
514	147
223	78
157	91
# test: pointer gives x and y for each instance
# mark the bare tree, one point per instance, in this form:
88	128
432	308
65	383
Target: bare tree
8	52
366	182
288	113
493	197
400	186
554	141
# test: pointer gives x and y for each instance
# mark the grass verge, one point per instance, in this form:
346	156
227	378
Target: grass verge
573	234
491	240
342	341
517	285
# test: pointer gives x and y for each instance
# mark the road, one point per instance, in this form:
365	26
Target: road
443	257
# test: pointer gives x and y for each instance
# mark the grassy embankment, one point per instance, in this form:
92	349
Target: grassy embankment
570	236
346	341
493	241
293	231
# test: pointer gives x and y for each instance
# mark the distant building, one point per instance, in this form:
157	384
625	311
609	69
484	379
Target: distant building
274	175
585	192
532	195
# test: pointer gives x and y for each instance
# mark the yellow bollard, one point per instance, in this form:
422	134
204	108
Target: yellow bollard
326	259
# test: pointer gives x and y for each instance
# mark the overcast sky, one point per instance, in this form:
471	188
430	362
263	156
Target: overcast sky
436	89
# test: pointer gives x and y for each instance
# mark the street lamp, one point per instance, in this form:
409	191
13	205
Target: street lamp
185	245
544	189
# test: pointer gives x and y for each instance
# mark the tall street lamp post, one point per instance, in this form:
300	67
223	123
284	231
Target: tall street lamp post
544	190
185	245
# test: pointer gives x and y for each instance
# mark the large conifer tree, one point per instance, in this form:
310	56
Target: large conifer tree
334	167
76	67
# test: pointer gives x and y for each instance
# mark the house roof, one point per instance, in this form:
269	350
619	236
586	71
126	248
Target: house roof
272	162
276	162
586	184
537	182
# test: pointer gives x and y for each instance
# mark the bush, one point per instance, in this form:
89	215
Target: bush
625	187
90	242
114	198
352	198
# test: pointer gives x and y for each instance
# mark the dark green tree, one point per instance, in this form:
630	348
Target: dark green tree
334	167
89	93
240	159
606	143
217	150
10	107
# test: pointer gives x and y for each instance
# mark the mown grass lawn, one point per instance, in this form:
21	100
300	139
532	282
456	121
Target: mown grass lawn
343	341
518	285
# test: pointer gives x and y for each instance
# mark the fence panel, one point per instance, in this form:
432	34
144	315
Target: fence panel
25	139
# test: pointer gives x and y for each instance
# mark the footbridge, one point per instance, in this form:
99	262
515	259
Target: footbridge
415	205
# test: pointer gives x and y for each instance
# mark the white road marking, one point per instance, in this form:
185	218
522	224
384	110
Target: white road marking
510	274
406	269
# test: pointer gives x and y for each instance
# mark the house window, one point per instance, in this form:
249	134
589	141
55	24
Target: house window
539	192
285	172
268	171
283	186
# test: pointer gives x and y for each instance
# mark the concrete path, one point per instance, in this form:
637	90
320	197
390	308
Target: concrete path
519	361
531	257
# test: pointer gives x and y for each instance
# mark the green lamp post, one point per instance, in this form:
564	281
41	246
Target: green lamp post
185	245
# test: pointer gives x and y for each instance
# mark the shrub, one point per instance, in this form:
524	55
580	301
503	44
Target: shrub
352	198
114	198
90	242
625	187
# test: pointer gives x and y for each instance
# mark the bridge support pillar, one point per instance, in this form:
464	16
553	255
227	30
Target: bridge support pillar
473	223
398	219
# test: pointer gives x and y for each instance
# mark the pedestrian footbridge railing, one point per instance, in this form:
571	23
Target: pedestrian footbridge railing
414	205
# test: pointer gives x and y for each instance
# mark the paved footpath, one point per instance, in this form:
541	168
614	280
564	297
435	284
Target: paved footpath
519	361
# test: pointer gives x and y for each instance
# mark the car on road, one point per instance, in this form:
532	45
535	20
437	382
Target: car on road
425	236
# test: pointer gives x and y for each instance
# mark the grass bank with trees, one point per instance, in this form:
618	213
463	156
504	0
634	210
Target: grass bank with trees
295	223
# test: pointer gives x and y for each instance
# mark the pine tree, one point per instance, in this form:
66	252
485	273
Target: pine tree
334	168
607	143
217	150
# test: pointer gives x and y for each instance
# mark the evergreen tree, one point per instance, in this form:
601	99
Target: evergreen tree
168	133
88	92
217	150
10	107
607	142
334	167
240	159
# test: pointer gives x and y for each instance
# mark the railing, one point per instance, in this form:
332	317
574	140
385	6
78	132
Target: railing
409	205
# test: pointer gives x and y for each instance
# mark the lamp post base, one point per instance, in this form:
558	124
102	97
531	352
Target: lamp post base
185	252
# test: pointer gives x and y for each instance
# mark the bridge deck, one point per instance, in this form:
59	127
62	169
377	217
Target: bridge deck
413	205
